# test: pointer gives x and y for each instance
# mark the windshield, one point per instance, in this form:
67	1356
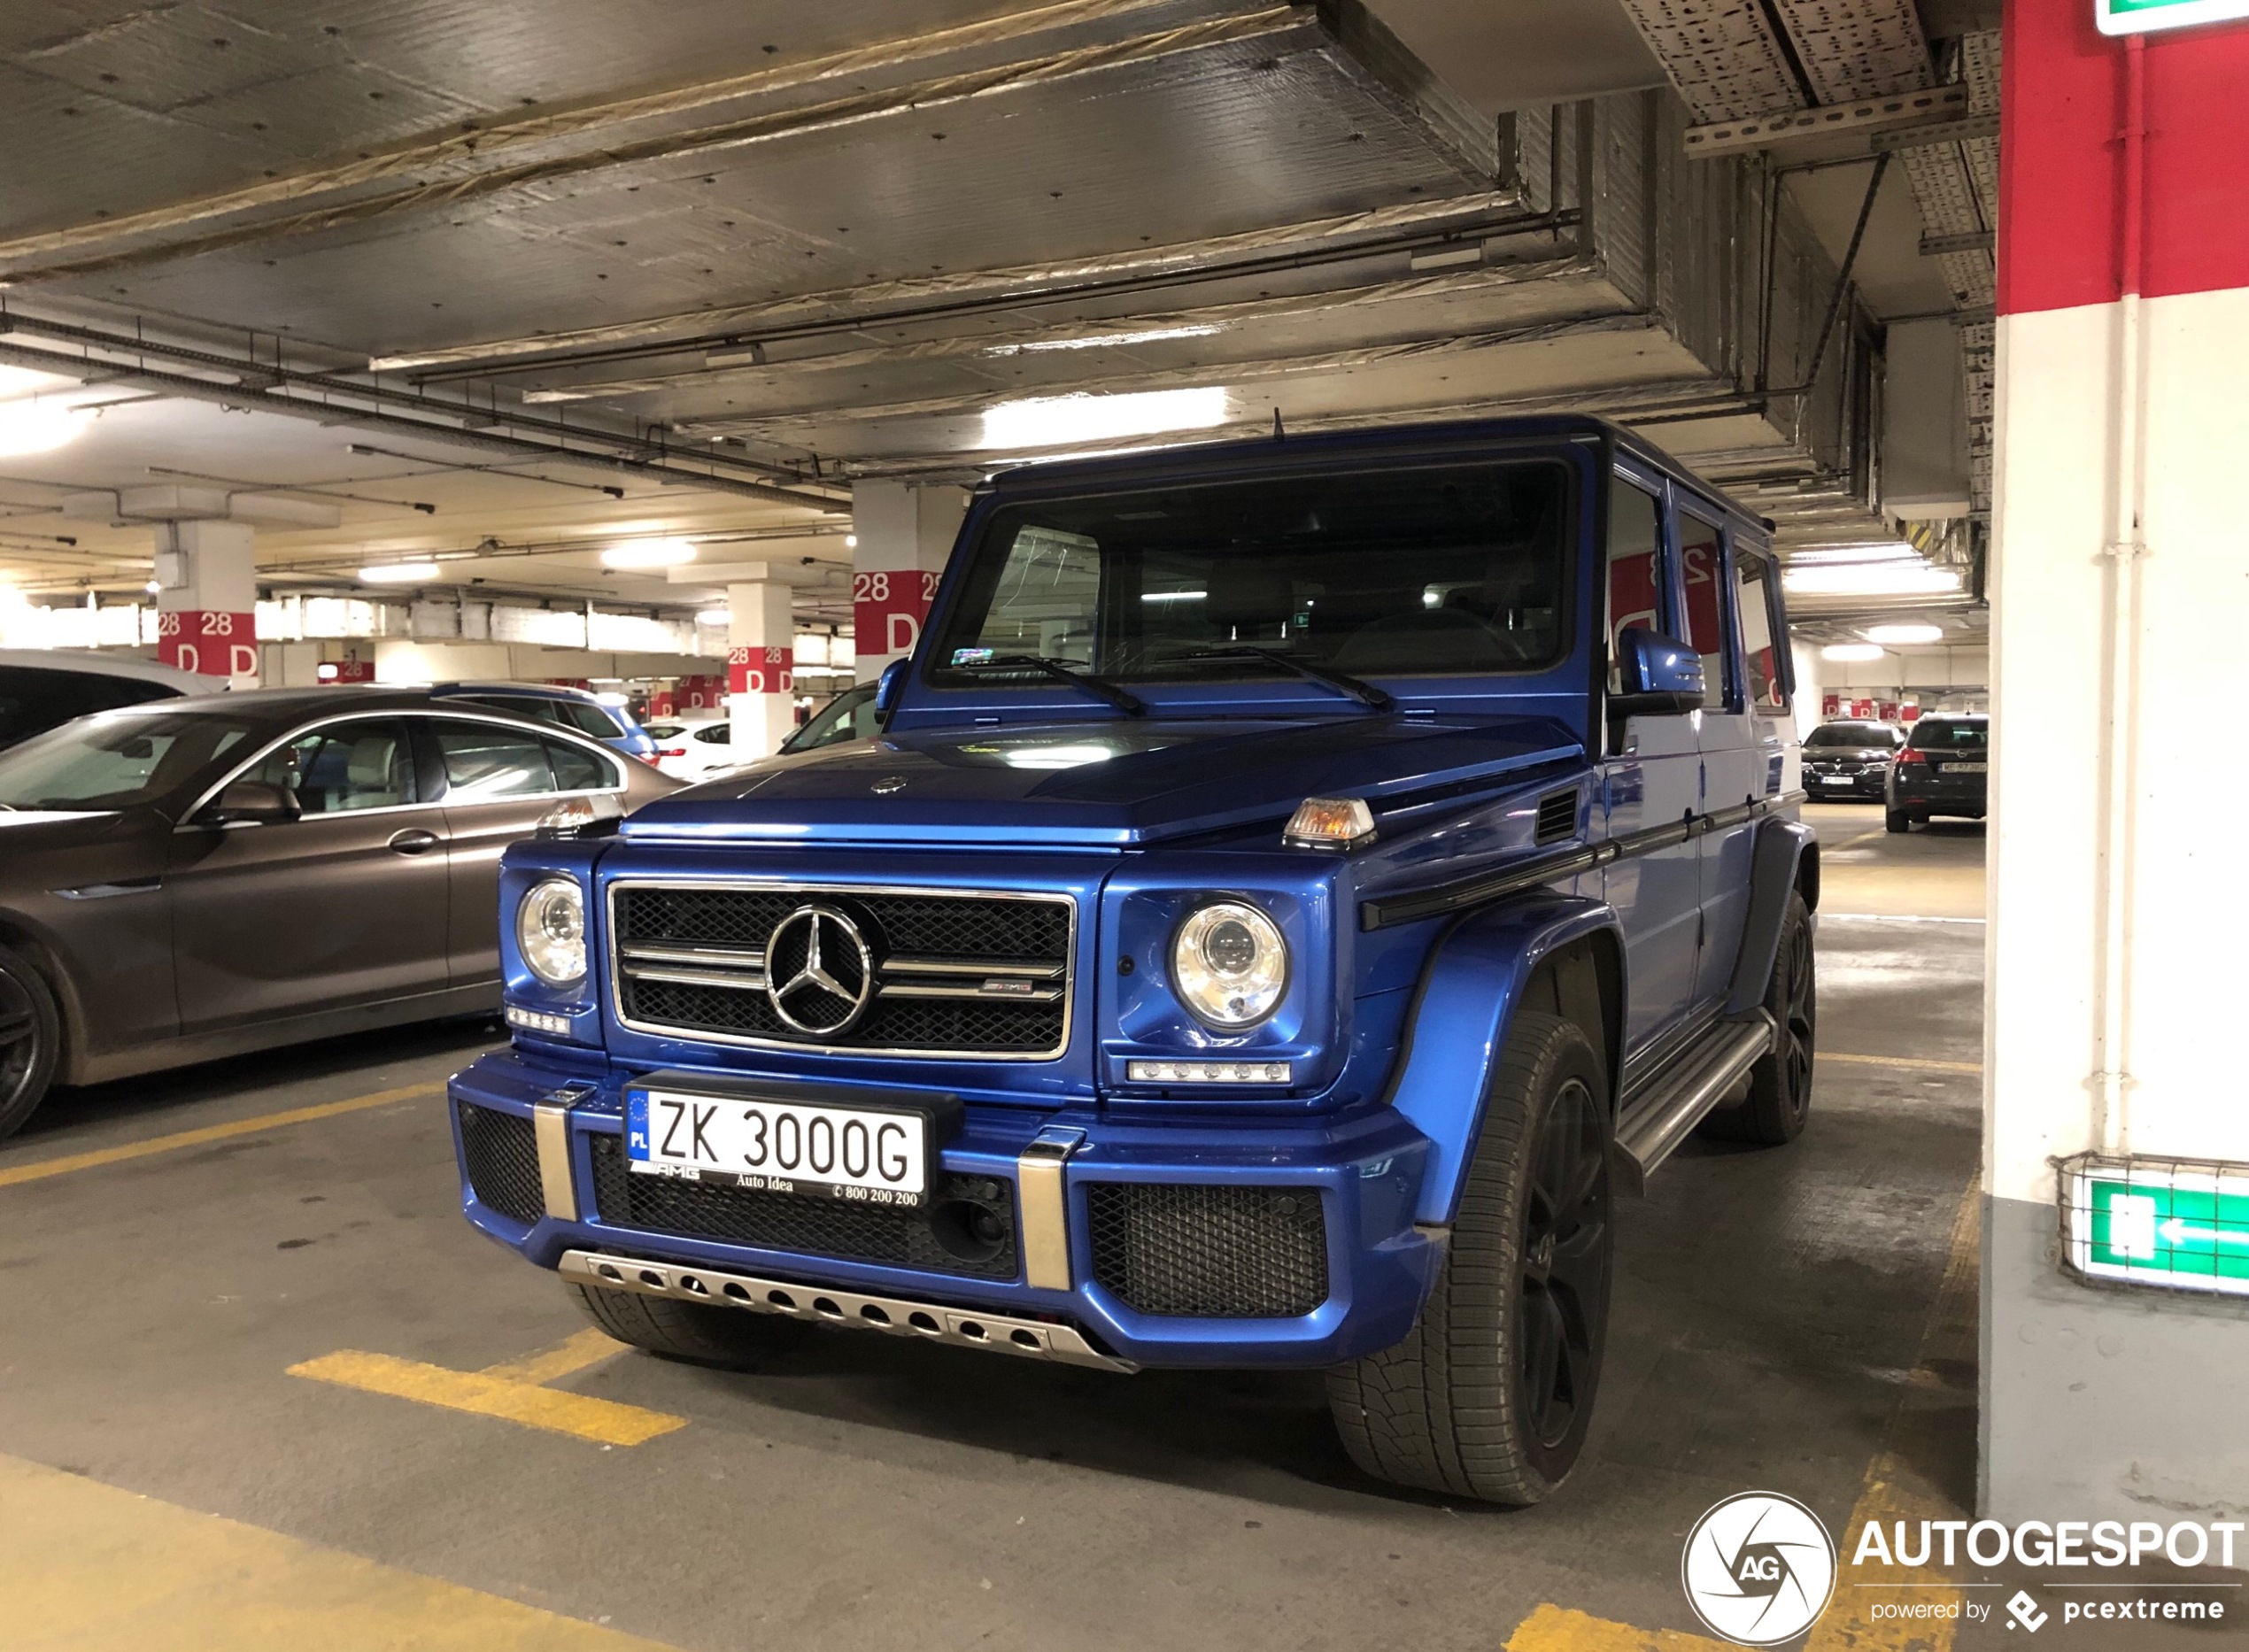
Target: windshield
1429	570
116	760
849	716
1850	734
1929	735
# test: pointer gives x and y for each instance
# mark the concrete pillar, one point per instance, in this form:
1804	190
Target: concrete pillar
206	599
906	531
2117	891
761	666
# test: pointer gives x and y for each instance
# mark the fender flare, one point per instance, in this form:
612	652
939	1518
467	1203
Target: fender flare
1462	1012
1781	846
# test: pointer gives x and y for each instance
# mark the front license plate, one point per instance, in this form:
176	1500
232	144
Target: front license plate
868	1156
1965	769
1835	780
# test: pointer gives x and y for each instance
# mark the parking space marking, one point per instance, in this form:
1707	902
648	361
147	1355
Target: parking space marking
1921	1062
16	1173
1556	1629
88	1567
514	1390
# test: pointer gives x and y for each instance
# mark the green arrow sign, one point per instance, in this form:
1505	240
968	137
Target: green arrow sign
2161	1224
2141	17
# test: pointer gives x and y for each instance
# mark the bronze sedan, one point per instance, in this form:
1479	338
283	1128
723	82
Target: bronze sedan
202	877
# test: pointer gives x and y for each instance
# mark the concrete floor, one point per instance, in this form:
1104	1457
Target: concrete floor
1773	1309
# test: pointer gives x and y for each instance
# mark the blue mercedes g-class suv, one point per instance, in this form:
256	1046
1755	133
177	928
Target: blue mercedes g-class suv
1297	885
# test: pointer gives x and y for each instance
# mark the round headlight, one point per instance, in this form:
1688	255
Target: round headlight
549	929
1230	965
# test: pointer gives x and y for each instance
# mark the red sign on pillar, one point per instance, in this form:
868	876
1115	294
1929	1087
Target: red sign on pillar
887	609
207	642
760	670
1831	704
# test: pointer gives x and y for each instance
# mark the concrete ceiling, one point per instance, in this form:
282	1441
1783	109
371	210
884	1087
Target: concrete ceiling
443	226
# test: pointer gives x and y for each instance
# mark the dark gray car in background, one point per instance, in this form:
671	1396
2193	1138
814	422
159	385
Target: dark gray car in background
200	878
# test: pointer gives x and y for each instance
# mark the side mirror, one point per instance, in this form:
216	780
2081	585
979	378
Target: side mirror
887	686
251	803
1662	676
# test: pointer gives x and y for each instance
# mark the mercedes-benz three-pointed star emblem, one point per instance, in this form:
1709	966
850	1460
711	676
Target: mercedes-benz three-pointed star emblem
819	975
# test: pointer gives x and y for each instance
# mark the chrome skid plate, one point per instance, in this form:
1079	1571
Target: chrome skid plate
995	1333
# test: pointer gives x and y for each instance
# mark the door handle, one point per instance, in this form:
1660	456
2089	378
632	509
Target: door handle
414	842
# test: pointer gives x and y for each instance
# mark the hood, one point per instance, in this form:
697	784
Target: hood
1107	783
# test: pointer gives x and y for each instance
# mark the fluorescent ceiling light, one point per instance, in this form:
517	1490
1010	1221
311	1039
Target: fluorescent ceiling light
1842	651
1108	341
37	427
1174	596
649	553
398	574
1871	579
715	616
1904	634
1062	420
851	542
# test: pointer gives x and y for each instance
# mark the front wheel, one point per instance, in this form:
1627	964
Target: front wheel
1490	1394
31	1040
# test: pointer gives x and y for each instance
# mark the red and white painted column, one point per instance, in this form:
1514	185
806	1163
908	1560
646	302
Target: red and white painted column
2120	590
905	532
761	666
206	600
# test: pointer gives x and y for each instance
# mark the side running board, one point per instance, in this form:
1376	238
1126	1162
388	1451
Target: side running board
1659	1118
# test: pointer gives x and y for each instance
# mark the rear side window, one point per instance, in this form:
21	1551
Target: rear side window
577	769
714	734
343	766
33	701
485	763
1753	581
1937	734
1701	565
1635	558
575	713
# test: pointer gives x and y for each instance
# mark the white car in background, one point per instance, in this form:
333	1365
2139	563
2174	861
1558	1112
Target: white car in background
40	690
692	748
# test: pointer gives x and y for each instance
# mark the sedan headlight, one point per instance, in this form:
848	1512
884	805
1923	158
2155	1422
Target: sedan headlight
1230	965
550	931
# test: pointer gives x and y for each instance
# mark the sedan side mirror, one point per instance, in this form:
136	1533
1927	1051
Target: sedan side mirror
251	803
887	685
1662	676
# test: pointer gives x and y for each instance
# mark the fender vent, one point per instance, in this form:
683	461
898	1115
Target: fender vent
1558	816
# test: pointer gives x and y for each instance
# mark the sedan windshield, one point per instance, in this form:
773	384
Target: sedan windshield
1853	734
1450	569
116	759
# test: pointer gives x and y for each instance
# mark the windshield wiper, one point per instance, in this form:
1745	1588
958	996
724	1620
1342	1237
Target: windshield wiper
1125	701
1365	693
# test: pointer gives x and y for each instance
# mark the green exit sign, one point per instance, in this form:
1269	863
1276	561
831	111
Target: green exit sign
2158	1222
2140	17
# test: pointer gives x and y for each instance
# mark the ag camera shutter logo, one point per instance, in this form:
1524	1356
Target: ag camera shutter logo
1758	1568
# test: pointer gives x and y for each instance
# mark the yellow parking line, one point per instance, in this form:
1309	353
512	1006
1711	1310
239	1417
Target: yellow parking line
90	1568
18	1173
482	1393
1555	1629
1921	1063
566	1358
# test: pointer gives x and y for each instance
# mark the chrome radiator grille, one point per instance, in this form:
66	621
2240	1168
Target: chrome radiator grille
878	970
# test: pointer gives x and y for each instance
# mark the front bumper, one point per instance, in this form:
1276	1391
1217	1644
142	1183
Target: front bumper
1364	1169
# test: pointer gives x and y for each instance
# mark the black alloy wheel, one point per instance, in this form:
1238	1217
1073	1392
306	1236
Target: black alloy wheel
30	1040
1565	1252
1779	1090
1491	1392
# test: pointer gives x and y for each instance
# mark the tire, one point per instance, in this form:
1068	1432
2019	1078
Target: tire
31	1040
734	1339
1780	1096
1897	820
1490	1394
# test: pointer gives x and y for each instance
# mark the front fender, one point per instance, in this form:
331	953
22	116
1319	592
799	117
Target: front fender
1460	1022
